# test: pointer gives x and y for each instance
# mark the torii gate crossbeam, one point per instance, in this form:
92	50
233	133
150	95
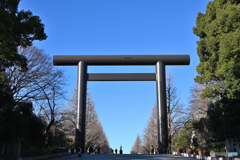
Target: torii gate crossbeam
82	61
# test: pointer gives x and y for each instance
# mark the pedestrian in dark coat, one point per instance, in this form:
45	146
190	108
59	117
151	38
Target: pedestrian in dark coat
98	149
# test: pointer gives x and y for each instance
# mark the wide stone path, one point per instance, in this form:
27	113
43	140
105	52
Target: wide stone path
121	157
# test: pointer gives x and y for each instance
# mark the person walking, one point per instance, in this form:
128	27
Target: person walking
152	149
80	152
98	149
168	150
92	149
116	150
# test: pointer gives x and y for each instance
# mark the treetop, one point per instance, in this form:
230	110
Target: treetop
219	48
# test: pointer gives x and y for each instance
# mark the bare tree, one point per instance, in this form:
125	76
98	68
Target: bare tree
28	85
94	130
137	146
197	106
50	105
42	84
175	113
198	109
69	116
150	132
95	134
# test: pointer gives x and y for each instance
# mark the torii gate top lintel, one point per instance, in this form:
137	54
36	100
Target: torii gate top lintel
73	60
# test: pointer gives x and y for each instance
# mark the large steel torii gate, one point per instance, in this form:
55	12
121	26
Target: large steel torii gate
82	61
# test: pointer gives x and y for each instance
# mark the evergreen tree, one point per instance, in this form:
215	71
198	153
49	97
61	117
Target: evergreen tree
17	28
219	54
219	49
220	122
184	136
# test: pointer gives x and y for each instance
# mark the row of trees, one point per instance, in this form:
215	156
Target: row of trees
95	134
176	119
203	118
214	105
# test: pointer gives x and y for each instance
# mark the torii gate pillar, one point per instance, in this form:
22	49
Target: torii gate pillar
161	108
81	107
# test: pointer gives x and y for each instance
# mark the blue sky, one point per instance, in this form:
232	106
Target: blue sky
121	27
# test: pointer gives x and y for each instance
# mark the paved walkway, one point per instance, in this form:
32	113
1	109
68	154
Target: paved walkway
122	157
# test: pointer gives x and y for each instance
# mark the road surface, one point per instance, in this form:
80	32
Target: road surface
122	157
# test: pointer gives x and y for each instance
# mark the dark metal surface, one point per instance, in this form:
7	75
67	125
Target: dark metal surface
121	59
81	107
122	77
161	108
